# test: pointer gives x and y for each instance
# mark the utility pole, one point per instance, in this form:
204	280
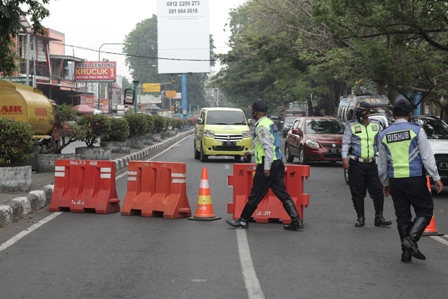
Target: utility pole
135	95
99	83
27	55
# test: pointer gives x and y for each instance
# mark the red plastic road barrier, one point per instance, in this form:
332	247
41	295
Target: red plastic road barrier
157	187
85	185
270	209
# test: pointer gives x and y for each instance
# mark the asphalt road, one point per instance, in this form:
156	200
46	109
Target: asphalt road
87	255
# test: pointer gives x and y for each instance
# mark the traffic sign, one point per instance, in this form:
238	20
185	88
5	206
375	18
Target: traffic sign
151	87
170	93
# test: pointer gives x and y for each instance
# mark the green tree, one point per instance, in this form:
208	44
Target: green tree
278	61
10	18
16	142
93	126
284	50
65	129
401	45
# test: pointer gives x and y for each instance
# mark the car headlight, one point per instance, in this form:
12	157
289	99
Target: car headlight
311	143
246	134
209	133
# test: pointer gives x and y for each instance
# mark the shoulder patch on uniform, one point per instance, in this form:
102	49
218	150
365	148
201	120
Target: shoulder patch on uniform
262	133
398	136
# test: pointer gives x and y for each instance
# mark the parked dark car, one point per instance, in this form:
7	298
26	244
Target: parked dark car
314	138
287	124
434	127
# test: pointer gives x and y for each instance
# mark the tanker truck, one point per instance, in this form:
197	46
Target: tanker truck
27	104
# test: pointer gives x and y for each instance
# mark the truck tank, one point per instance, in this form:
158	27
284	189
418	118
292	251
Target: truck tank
27	104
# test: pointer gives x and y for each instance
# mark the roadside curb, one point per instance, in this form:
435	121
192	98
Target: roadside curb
19	207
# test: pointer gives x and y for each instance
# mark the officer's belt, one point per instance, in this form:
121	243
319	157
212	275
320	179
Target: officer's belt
362	160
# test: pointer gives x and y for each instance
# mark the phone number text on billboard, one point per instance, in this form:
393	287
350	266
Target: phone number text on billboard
183	3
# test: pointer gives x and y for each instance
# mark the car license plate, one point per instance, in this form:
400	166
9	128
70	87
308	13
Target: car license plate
443	165
228	143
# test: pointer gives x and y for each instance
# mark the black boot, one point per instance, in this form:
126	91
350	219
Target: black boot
243	221
380	221
415	232
296	222
240	222
406	256
358	204
361	221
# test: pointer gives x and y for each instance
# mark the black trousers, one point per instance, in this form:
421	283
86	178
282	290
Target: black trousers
275	181
364	177
407	192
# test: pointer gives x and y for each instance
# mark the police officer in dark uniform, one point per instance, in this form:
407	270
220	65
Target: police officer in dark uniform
270	170
359	151
404	155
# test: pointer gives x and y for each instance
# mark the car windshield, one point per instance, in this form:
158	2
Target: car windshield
225	118
435	128
290	120
324	126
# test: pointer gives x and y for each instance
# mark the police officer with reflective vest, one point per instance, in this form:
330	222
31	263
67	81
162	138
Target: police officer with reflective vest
404	157
270	170
359	151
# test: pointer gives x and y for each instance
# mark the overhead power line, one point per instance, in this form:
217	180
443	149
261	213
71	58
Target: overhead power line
138	56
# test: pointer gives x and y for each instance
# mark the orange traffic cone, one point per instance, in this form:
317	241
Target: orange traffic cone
204	208
431	229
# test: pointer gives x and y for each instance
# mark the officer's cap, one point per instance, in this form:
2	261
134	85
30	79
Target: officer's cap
403	104
362	106
259	106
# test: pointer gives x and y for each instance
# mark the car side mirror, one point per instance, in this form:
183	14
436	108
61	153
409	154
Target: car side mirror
295	131
200	121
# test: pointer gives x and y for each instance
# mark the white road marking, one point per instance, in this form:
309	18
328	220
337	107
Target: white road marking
56	214
253	287
28	230
441	240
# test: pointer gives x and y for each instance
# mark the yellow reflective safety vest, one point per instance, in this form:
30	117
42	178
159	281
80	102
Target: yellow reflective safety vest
364	141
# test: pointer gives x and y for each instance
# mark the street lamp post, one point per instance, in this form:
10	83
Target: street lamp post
99	59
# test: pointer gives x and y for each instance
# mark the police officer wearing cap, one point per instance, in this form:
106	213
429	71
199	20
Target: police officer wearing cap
270	170
404	155
359	151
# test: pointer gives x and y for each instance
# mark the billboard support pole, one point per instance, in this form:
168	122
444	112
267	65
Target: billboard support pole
184	96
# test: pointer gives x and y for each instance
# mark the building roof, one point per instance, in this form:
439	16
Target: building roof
67	57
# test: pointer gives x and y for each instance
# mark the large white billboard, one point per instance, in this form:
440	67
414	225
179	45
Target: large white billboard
183	36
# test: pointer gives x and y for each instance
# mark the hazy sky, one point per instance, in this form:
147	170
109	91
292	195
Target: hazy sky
88	24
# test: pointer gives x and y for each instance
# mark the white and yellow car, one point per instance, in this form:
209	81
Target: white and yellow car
221	131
